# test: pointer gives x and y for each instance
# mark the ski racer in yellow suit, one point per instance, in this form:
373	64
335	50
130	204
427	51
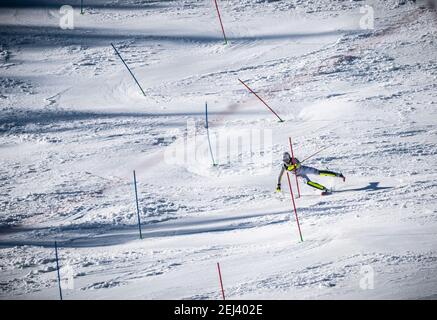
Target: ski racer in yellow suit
303	171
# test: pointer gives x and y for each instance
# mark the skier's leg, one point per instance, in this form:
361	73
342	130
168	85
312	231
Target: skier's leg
316	185
312	183
327	173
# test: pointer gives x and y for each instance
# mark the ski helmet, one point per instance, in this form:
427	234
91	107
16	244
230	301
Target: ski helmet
286	157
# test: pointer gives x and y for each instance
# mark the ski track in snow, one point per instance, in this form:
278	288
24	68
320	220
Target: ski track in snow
73	126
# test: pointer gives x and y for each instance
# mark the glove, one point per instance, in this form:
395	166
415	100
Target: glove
278	188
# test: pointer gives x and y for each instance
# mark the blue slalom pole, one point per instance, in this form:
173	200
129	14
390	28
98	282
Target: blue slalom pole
81	6
118	54
206	114
57	268
207	133
138	208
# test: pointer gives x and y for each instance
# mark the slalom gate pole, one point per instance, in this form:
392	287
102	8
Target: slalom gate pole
294	205
294	162
57	269
221	282
221	23
314	154
81	6
138	207
261	100
118	54
207	133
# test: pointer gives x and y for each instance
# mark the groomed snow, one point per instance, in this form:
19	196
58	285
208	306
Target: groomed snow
74	125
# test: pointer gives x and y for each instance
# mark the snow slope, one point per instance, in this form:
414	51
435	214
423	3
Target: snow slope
74	125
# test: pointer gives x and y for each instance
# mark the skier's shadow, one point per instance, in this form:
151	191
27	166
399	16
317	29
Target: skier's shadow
372	186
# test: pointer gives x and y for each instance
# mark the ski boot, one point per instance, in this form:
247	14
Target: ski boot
326	192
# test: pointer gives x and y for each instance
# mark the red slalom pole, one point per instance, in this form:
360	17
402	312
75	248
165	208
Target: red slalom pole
294	205
221	23
261	100
221	282
294	162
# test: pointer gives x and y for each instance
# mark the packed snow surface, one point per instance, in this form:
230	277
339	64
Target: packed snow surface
74	125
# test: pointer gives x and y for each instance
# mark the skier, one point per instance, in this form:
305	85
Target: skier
303	171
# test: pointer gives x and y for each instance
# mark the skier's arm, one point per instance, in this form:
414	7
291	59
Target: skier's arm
278	188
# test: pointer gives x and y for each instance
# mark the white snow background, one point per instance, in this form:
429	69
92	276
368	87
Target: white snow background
74	126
